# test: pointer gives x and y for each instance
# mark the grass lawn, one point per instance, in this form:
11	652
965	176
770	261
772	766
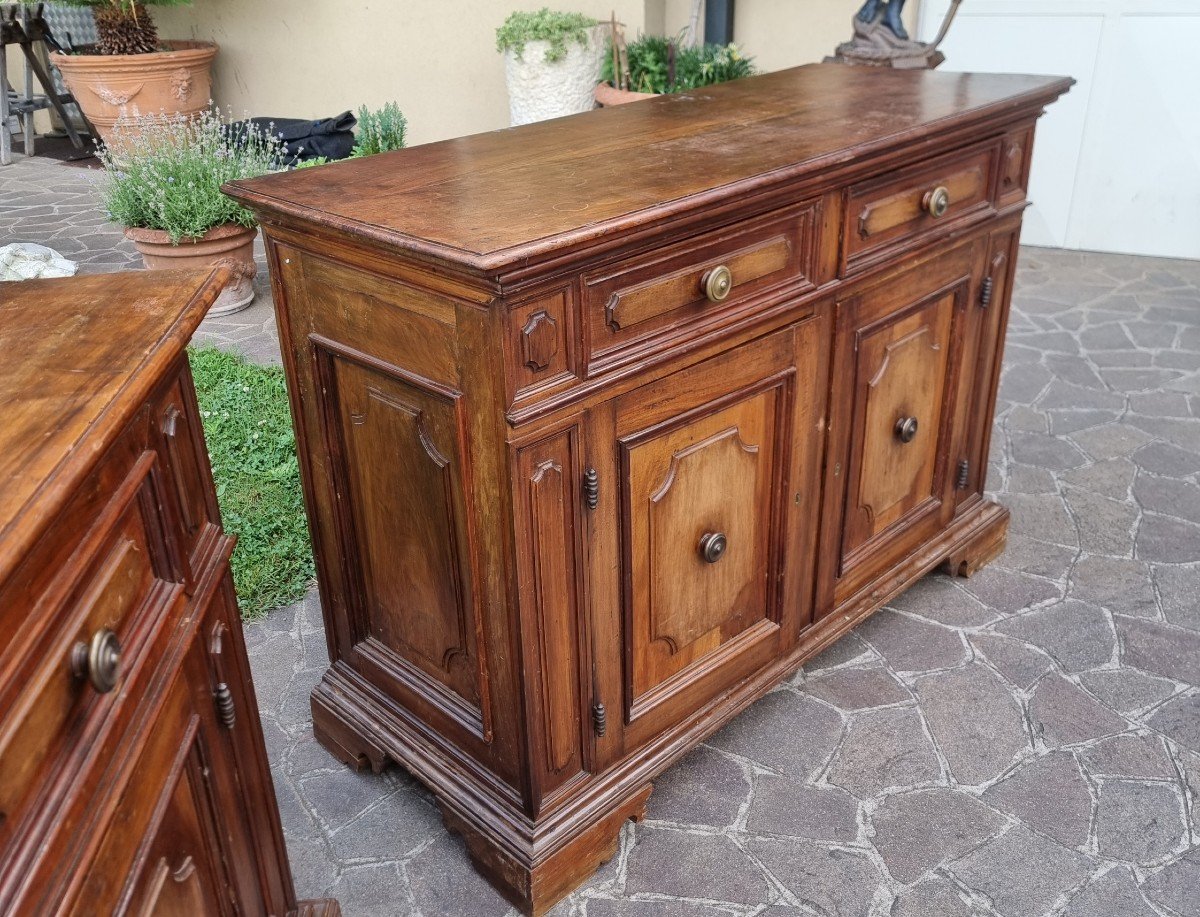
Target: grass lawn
253	451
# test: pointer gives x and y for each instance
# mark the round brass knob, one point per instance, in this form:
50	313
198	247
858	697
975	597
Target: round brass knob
717	283
906	429
712	546
98	660
937	201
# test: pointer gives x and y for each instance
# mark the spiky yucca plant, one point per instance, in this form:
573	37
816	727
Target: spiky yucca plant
125	26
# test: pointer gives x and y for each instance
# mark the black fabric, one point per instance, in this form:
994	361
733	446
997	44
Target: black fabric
329	138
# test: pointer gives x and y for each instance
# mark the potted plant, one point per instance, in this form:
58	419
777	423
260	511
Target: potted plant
551	63
653	66
166	191
131	71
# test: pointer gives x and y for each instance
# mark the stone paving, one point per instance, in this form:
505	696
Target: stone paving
1022	743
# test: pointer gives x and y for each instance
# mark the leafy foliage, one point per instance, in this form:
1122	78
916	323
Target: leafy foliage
380	131
253	452
660	65
166	171
544	25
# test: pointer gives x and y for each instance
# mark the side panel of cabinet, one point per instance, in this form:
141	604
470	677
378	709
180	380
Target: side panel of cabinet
898	354
549	538
713	471
396	409
991	307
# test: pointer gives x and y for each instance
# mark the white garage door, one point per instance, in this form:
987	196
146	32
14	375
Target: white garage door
1117	162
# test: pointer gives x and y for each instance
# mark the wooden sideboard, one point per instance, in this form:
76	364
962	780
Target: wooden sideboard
133	774
610	422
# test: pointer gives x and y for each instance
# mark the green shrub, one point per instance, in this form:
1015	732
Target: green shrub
244	410
544	25
651	68
166	171
380	131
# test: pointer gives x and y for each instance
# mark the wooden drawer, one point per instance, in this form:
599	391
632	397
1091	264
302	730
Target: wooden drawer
889	213
650	301
127	578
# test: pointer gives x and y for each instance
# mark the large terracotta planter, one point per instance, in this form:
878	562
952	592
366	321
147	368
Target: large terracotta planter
229	245
606	95
109	87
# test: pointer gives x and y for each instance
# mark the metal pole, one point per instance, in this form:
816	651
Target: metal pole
718	21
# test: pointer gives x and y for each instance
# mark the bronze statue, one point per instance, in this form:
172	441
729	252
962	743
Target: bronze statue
880	39
890	18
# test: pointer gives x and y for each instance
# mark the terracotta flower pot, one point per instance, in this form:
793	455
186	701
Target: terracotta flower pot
607	95
112	86
229	245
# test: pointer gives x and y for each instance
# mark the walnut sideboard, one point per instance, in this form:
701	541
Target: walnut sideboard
133	774
607	423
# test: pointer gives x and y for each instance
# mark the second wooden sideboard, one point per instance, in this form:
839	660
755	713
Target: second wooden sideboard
608	423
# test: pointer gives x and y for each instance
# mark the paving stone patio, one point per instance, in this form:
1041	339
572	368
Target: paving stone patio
1022	743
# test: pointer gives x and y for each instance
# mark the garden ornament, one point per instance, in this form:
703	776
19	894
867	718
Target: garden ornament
880	39
886	11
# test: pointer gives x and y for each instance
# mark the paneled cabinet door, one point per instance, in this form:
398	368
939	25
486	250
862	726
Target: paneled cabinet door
897	356
171	849
705	495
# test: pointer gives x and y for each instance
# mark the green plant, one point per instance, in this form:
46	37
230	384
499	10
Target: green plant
545	25
244	410
166	171
125	26
660	65
380	131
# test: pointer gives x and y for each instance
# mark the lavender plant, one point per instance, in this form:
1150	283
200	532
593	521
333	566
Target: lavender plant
166	171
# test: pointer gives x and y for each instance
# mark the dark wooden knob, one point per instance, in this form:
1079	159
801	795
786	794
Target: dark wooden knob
937	201
98	660
717	283
712	546
906	429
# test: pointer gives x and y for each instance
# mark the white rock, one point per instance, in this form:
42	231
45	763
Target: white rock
28	261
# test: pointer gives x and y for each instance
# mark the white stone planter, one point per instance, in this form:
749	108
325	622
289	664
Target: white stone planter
538	89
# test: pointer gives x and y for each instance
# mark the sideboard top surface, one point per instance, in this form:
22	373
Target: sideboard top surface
511	197
80	355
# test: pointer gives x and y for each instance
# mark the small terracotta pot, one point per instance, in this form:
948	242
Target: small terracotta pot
607	95
228	245
112	86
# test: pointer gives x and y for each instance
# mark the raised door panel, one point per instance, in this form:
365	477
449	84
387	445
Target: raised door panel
900	375
548	507
705	462
398	445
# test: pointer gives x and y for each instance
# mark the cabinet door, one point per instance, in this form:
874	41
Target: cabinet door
895	378
194	827
713	467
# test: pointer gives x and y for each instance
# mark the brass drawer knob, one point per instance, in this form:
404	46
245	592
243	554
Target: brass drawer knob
712	546
717	283
906	429
937	201
98	660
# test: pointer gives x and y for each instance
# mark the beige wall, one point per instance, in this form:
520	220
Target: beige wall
437	58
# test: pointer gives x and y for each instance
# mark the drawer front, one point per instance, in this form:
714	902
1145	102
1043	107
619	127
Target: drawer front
61	704
888	213
641	304
188	477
